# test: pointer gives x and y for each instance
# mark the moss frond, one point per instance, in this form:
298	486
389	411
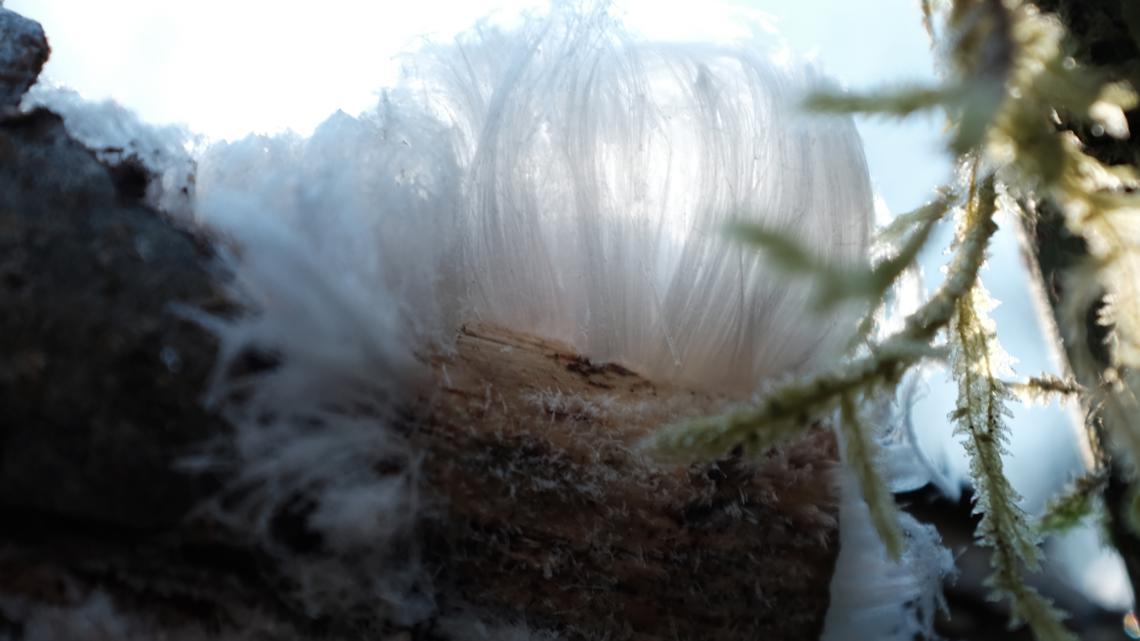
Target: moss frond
1045	388
980	416
861	452
1027	605
902	224
1072	506
1014	97
835	283
978	362
898	103
1099	202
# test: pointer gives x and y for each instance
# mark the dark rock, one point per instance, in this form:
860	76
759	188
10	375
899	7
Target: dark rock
100	381
23	52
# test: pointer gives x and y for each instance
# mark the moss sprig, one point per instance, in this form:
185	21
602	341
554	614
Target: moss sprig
1014	95
978	363
1076	503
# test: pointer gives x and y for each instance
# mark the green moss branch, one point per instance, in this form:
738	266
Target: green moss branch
977	363
861	453
790	408
1046	387
1050	130
1068	509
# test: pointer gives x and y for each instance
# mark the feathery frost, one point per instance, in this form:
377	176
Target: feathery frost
599	172
561	178
875	595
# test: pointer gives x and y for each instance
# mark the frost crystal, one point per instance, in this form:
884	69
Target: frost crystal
600	171
873	596
117	135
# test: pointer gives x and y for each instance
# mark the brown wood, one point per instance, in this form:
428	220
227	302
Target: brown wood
553	512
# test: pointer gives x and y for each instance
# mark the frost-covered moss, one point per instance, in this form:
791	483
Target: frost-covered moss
1016	94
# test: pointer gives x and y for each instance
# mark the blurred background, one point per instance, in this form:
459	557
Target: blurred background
227	68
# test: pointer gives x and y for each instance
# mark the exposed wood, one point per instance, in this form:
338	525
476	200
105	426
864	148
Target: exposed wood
552	511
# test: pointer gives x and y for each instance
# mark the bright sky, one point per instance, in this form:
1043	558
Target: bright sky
230	67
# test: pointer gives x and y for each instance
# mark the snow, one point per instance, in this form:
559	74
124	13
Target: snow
117	135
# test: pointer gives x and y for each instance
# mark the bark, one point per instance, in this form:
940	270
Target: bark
1100	37
1050	250
99	380
542	506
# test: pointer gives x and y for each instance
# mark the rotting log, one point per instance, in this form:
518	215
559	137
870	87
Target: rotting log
544	511
552	511
542	507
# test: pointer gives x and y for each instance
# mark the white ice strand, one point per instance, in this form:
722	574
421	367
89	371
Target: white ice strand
599	173
873	597
338	251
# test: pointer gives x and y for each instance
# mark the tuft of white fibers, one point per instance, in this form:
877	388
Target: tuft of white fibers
874	597
336	257
599	173
315	438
